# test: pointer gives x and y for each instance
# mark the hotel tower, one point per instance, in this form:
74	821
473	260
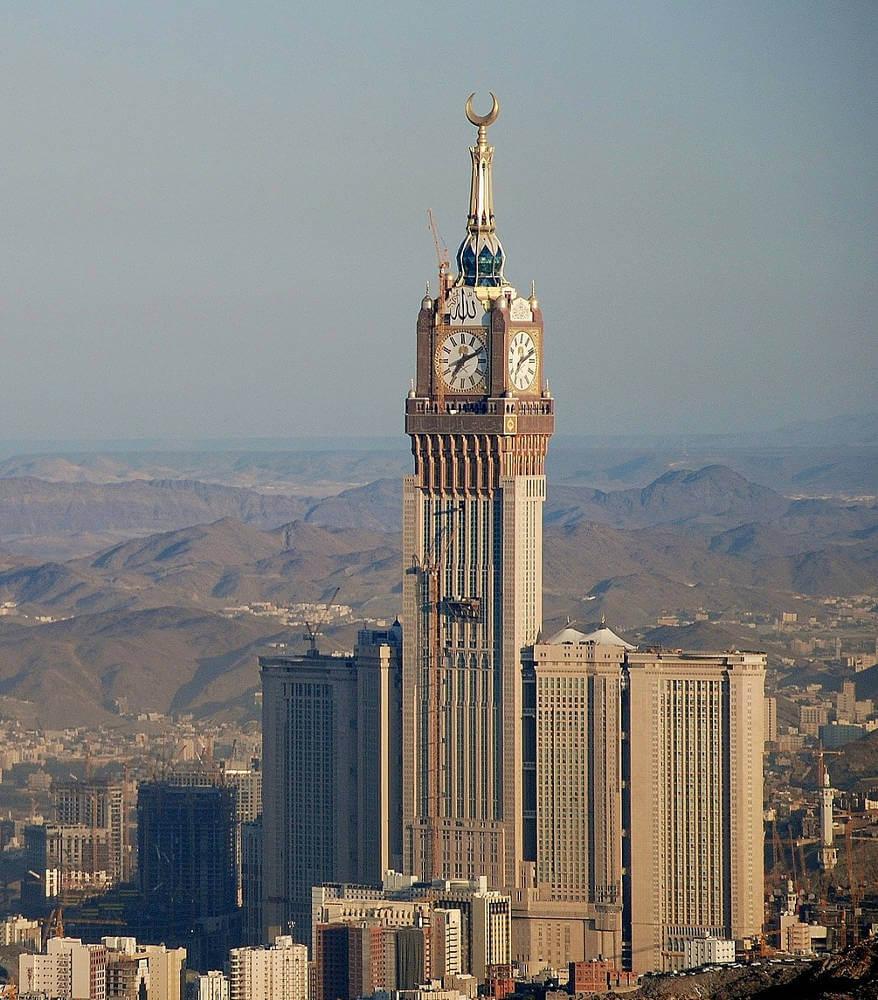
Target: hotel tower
480	416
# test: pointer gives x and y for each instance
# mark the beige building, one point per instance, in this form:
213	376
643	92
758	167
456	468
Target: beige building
210	986
572	910
276	973
68	969
101	806
18	930
133	967
479	416
446	943
470	926
811	718
770	719
330	778
692	801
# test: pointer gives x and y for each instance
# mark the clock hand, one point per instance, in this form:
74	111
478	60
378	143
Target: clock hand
462	360
523	359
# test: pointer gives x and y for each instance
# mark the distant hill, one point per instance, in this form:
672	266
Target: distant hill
714	493
688	539
703	637
214	565
828	458
33	506
315	472
160	660
376	506
705	538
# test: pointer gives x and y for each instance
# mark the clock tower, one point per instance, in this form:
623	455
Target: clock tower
480	416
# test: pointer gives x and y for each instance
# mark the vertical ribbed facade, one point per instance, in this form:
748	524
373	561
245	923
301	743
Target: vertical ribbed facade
693	801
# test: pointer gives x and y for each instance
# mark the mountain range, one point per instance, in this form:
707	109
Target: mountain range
705	538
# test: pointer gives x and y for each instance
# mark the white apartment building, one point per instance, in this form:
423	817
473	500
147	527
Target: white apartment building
708	950
276	973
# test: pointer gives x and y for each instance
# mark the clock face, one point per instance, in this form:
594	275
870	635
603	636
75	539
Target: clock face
522	360
462	361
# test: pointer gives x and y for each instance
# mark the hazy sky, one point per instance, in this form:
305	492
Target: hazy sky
214	214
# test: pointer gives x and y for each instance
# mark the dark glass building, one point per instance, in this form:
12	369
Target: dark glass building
187	862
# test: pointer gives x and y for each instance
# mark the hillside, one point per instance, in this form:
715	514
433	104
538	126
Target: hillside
161	660
68	519
211	566
849	975
689	540
857	765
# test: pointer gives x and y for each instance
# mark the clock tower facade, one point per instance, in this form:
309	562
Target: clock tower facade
479	416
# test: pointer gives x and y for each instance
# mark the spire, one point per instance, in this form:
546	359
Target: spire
480	257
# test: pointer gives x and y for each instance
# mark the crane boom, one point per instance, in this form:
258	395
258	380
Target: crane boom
441	249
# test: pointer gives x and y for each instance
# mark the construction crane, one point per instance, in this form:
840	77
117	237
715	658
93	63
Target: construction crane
53	926
442	257
314	630
431	579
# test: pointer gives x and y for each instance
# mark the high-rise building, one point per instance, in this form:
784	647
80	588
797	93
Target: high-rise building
246	779
691	801
610	798
479	415
187	865
331	774
68	969
65	861
643	788
446	944
98	804
357	958
276	973
251	883
572	789
770	719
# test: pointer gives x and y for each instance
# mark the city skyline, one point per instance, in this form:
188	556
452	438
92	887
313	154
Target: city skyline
178	235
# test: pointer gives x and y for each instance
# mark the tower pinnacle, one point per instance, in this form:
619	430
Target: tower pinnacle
480	257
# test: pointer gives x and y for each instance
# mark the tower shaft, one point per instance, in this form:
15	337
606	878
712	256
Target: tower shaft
472	551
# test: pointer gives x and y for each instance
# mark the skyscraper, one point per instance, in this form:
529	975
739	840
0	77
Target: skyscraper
99	805
331	772
692	801
187	863
479	415
643	771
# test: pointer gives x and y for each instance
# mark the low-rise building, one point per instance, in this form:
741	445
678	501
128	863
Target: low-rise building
708	950
210	986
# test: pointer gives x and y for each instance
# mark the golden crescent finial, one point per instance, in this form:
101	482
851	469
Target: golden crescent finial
482	120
